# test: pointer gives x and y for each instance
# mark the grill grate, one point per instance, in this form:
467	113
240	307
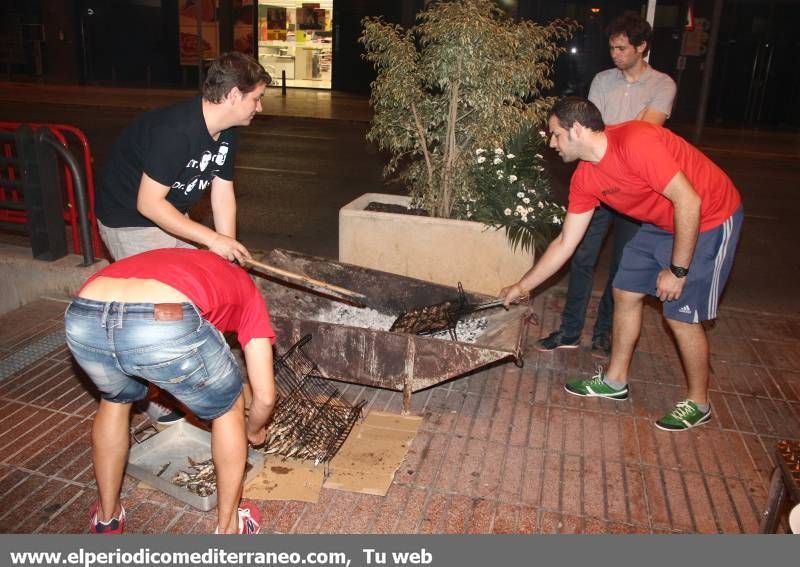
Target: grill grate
31	353
438	317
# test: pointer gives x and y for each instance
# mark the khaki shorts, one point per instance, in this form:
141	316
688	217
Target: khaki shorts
129	240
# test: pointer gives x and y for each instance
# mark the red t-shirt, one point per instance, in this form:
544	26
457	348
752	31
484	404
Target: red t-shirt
640	161
223	292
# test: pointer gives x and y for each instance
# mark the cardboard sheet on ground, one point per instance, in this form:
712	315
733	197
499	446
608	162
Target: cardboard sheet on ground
373	452
366	463
286	480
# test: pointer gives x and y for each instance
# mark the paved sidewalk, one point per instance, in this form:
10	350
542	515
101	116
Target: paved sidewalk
504	450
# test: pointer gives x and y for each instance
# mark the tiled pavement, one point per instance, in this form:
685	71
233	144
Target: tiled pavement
503	450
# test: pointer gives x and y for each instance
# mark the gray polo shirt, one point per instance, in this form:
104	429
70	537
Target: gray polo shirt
620	101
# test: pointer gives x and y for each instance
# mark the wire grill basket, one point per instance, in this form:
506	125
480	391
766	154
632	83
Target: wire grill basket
311	419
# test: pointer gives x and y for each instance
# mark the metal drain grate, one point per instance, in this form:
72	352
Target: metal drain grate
31	353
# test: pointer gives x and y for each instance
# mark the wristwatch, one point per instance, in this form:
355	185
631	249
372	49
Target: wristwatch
678	272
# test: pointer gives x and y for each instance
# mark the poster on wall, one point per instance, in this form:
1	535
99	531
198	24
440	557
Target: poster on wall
276	23
276	18
187	30
243	14
310	17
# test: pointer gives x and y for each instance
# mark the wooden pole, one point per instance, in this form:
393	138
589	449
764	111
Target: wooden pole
353	296
708	72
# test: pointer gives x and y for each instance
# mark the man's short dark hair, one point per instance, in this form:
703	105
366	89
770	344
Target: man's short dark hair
634	27
233	69
571	109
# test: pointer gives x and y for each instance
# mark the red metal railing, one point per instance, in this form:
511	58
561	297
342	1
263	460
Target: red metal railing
70	212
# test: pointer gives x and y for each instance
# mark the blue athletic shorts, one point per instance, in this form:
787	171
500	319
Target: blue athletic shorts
122	347
650	251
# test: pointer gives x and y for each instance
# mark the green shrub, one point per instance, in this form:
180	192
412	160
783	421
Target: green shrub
465	77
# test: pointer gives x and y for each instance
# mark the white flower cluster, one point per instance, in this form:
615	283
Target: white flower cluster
525	205
525	211
539	157
497	160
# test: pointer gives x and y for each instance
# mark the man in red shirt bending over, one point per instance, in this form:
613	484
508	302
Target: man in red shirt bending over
158	318
683	254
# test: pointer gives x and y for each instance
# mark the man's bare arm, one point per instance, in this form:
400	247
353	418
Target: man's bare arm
152	203
558	252
223	206
260	375
653	116
686	203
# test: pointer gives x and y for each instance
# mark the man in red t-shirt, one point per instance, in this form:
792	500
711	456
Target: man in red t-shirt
158	318
683	254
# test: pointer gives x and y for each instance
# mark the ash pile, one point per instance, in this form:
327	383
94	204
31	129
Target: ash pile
311	419
453	319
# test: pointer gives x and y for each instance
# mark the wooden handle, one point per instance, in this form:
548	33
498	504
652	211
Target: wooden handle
302	278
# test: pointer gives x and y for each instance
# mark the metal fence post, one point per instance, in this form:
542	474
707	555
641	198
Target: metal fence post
45	138
41	188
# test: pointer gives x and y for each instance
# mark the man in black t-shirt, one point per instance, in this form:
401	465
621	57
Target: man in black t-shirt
166	159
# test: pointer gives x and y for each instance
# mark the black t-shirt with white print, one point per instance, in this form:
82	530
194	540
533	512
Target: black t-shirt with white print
173	147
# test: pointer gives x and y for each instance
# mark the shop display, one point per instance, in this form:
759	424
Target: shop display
295	41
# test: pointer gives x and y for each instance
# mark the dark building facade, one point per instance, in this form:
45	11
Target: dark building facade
314	44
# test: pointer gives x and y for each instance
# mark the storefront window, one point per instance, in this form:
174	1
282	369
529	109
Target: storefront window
295	37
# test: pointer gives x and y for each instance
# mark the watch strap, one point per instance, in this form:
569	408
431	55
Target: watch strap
678	271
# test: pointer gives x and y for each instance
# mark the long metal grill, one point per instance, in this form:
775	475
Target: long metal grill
311	419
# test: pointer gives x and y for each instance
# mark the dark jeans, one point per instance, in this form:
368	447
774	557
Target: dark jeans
581	272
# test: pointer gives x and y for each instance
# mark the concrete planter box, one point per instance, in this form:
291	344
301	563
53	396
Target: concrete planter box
443	251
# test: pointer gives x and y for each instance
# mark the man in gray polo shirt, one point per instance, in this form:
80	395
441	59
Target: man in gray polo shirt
632	90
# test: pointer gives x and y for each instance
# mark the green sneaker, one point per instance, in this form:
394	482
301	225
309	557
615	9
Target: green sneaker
596	388
684	416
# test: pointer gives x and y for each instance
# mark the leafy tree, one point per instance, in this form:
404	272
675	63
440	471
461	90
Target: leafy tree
464	77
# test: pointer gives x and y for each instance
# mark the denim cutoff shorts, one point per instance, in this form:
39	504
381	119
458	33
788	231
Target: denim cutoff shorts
122	347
